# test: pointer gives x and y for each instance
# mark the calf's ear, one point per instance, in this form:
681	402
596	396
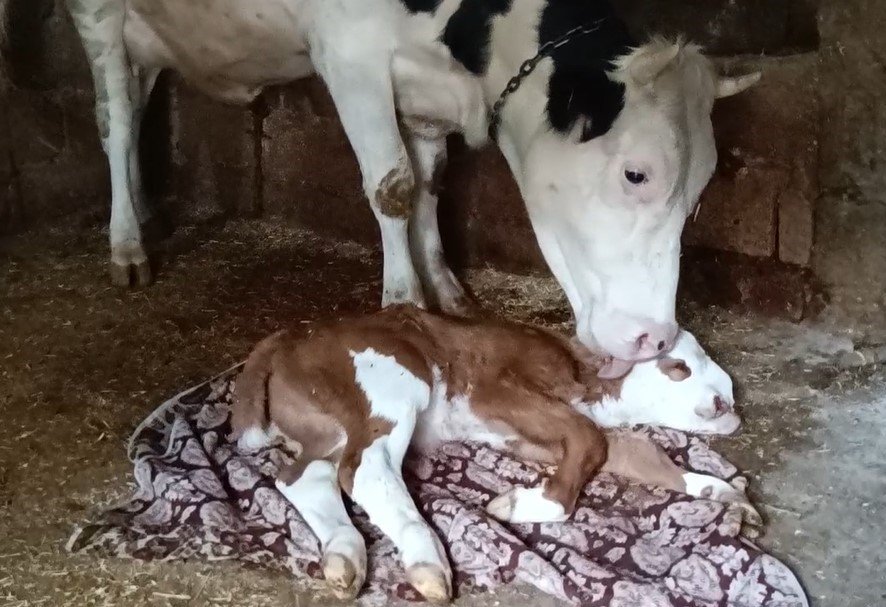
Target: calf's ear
675	368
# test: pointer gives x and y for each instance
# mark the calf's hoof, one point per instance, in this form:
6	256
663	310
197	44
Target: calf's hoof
751	517
432	581
343	578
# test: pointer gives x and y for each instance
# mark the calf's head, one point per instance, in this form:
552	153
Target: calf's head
608	203
685	390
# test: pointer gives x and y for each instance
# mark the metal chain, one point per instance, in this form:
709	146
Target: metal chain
528	66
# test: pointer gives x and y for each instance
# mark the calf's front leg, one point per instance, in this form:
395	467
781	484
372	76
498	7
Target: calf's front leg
636	457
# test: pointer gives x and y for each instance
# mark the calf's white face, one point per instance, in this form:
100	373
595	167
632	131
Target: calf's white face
685	390
608	211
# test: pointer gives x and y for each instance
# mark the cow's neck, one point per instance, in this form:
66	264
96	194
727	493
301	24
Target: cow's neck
582	64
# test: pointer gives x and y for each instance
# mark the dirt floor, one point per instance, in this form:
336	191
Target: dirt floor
83	363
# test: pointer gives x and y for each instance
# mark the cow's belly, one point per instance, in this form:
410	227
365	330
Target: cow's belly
229	48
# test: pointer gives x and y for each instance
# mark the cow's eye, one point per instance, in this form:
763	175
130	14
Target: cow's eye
635	177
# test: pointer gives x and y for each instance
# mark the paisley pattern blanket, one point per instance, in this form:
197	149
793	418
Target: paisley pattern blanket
626	545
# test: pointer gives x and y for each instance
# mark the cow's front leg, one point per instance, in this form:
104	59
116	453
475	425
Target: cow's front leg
428	149
360	85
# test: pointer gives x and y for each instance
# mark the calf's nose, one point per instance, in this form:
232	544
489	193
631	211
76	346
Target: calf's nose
720	406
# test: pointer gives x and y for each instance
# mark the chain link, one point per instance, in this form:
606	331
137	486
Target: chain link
528	66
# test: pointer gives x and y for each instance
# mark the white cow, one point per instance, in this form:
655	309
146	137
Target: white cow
610	143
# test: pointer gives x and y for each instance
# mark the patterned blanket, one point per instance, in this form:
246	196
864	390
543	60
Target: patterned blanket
627	544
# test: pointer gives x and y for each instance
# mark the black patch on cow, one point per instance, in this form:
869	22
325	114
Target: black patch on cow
579	86
421	6
467	32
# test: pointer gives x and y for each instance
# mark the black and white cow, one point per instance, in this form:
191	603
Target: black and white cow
610	143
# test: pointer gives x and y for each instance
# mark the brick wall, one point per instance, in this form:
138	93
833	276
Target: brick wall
287	156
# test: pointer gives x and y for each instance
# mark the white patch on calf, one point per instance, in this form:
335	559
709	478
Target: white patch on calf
526	505
453	420
392	390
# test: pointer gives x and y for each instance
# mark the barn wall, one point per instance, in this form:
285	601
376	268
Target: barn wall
287	157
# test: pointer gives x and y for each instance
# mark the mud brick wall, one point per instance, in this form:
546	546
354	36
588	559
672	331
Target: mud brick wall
286	156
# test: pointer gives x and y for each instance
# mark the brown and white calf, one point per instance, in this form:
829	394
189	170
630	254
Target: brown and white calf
609	140
357	393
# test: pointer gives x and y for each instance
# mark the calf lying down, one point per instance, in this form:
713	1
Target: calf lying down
355	394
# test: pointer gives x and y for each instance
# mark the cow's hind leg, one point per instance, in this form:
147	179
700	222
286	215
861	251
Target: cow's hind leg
100	26
141	84
359	80
440	284
317	496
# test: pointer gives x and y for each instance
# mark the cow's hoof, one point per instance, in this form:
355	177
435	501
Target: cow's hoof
136	274
407	292
129	264
462	306
119	275
343	577
431	581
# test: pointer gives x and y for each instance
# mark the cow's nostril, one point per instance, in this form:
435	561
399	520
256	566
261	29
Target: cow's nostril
719	406
641	341
661	346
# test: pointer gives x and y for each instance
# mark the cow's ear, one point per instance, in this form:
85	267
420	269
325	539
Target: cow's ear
675	368
647	65
733	85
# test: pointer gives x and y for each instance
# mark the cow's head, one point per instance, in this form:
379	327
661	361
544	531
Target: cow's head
608	208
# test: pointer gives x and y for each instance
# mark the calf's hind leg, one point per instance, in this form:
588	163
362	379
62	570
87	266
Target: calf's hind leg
317	496
377	486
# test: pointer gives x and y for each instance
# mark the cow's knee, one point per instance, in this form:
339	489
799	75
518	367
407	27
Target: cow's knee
395	194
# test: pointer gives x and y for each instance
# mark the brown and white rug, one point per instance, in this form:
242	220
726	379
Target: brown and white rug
627	545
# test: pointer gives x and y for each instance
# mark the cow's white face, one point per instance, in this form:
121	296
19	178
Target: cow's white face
685	390
609	212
